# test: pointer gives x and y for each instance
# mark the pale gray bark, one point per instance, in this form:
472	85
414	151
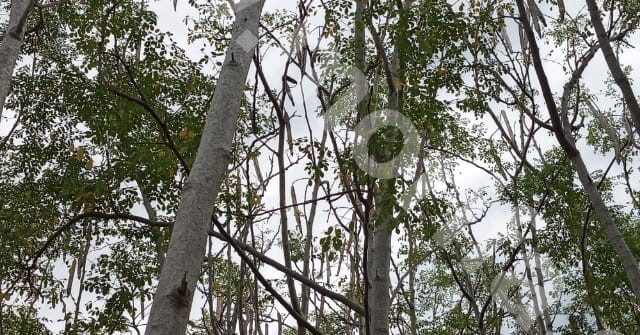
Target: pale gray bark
614	65
544	300
379	261
378	246
614	235
11	44
172	302
529	272
562	130
379	252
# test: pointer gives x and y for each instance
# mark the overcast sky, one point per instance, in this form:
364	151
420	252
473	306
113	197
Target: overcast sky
170	20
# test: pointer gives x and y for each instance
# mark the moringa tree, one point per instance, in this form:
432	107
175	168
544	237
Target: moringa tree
181	270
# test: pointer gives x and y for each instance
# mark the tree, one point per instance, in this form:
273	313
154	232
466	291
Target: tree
561	130
483	228
181	270
614	64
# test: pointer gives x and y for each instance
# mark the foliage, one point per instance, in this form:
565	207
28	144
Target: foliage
110	106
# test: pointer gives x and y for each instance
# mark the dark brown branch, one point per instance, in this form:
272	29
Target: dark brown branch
300	319
614	235
50	4
556	122
90	215
144	103
5	140
299	277
224	237
326	197
382	55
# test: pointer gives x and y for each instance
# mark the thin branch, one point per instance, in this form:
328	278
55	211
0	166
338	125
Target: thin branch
299	277
89	215
5	140
144	103
222	236
300	319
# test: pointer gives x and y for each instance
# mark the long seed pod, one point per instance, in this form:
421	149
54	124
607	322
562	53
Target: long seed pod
604	123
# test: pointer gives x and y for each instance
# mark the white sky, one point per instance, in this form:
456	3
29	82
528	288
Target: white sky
170	20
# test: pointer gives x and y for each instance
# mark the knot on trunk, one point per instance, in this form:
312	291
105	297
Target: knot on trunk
182	294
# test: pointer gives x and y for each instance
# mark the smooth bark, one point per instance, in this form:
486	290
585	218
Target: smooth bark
172	302
379	251
544	300
379	263
562	131
11	44
626	257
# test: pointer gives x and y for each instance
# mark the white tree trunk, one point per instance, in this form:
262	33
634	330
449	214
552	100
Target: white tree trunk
11	44
379	253
616	239
378	267
172	302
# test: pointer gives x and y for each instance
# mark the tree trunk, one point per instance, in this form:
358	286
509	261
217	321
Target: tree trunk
11	44
379	260
379	253
614	65
174	296
284	224
614	235
562	130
